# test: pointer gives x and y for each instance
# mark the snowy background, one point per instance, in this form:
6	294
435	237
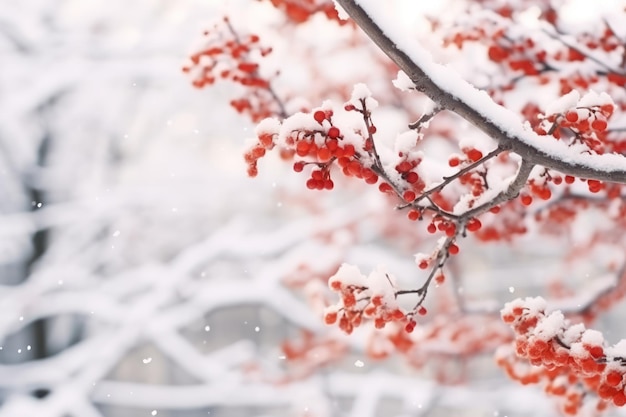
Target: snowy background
141	271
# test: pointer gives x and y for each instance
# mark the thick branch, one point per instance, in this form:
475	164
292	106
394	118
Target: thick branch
449	91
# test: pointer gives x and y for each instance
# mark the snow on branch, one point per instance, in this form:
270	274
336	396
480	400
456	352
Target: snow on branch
451	92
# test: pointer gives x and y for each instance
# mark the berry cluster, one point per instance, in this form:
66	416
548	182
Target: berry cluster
412	184
371	298
306	354
299	11
265	143
585	124
568	359
313	139
229	56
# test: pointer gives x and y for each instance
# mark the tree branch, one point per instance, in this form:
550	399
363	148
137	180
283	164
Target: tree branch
451	92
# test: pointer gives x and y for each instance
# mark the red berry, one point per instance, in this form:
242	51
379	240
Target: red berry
594	185
422	311
598	124
572	116
526	200
410	326
385	188
348	151
474	155
613	378
414	215
606	109
409	196
453	249
473	225
298	166
319	116
324	154
412	177
330	318
333	132
431	228
454	161
302	148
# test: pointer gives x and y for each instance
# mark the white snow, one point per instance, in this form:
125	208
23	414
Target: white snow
508	121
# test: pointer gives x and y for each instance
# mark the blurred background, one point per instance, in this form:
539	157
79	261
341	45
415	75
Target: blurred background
142	273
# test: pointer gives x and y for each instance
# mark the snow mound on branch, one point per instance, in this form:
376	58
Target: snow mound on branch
403	82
